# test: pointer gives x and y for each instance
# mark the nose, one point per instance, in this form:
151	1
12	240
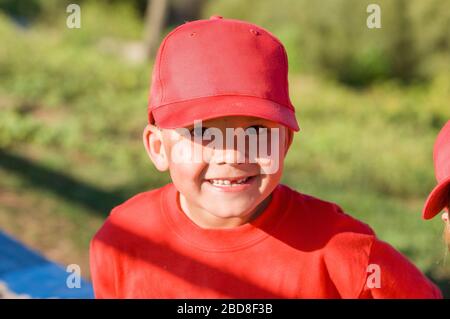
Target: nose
229	156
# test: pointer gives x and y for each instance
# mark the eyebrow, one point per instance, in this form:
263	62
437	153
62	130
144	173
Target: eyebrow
250	123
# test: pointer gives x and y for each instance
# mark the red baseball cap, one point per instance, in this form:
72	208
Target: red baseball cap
219	67
440	195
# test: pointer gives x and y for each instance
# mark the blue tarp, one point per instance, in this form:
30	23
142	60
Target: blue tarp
24	271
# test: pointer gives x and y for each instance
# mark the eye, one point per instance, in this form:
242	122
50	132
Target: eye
198	131
257	129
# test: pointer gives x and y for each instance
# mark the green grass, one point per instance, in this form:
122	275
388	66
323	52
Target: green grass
71	120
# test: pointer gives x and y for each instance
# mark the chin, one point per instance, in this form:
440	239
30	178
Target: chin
231	212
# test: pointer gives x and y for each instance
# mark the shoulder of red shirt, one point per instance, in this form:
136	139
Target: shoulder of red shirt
309	224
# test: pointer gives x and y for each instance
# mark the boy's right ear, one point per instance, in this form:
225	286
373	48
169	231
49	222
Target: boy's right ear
153	142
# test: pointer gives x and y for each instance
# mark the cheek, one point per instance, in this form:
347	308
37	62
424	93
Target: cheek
272	179
187	176
271	159
186	166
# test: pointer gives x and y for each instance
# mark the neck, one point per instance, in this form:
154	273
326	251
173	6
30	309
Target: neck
206	219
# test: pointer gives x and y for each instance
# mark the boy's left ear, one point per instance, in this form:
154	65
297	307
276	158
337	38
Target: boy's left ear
153	143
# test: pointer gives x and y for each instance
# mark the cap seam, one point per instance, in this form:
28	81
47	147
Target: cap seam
159	71
226	20
160	58
272	36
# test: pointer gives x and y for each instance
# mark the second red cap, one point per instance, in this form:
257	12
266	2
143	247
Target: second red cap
440	195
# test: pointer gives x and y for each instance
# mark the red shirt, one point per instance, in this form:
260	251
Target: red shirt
300	247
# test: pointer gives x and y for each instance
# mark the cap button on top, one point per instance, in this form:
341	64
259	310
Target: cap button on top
215	17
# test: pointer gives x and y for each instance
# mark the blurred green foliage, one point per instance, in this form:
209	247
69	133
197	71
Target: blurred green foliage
331	36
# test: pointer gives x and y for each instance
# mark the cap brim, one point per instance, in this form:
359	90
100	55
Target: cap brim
181	114
437	200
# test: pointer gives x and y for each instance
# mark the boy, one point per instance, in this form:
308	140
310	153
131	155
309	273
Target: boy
226	228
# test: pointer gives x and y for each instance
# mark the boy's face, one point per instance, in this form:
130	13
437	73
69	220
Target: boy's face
221	185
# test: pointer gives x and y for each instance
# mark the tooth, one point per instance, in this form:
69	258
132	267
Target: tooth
226	182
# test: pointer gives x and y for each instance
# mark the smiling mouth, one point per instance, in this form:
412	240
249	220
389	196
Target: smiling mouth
229	182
